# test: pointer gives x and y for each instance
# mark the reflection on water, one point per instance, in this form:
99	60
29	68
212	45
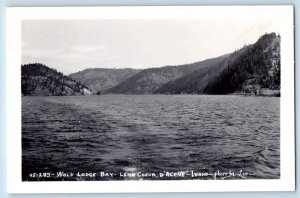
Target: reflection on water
150	133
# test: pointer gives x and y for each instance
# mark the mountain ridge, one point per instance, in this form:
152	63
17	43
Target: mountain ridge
149	80
195	81
253	69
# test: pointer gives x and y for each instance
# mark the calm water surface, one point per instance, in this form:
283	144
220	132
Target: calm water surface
150	134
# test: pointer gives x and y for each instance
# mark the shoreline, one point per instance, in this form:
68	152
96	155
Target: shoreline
231	94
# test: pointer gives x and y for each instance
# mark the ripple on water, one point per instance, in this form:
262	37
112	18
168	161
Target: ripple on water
151	133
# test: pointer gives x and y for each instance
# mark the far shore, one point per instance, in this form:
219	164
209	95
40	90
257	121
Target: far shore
183	94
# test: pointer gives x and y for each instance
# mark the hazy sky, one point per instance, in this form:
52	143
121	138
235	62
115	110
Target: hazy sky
73	45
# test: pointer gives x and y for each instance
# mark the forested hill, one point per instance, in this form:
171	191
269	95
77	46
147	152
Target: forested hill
101	79
257	70
148	81
194	82
253	69
40	80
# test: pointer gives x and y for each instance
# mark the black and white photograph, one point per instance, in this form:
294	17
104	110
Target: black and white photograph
151	99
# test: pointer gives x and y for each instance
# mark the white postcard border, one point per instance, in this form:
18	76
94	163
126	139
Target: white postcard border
284	15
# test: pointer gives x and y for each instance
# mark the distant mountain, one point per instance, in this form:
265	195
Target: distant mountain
256	70
99	79
40	80
148	81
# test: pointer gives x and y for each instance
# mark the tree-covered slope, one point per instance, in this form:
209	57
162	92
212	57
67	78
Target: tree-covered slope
257	70
195	81
40	80
150	80
251	69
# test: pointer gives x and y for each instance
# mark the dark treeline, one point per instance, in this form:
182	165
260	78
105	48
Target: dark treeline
259	64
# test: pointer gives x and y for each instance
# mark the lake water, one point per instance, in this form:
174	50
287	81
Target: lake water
180	136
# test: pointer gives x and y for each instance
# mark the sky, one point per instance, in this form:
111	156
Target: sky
74	45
